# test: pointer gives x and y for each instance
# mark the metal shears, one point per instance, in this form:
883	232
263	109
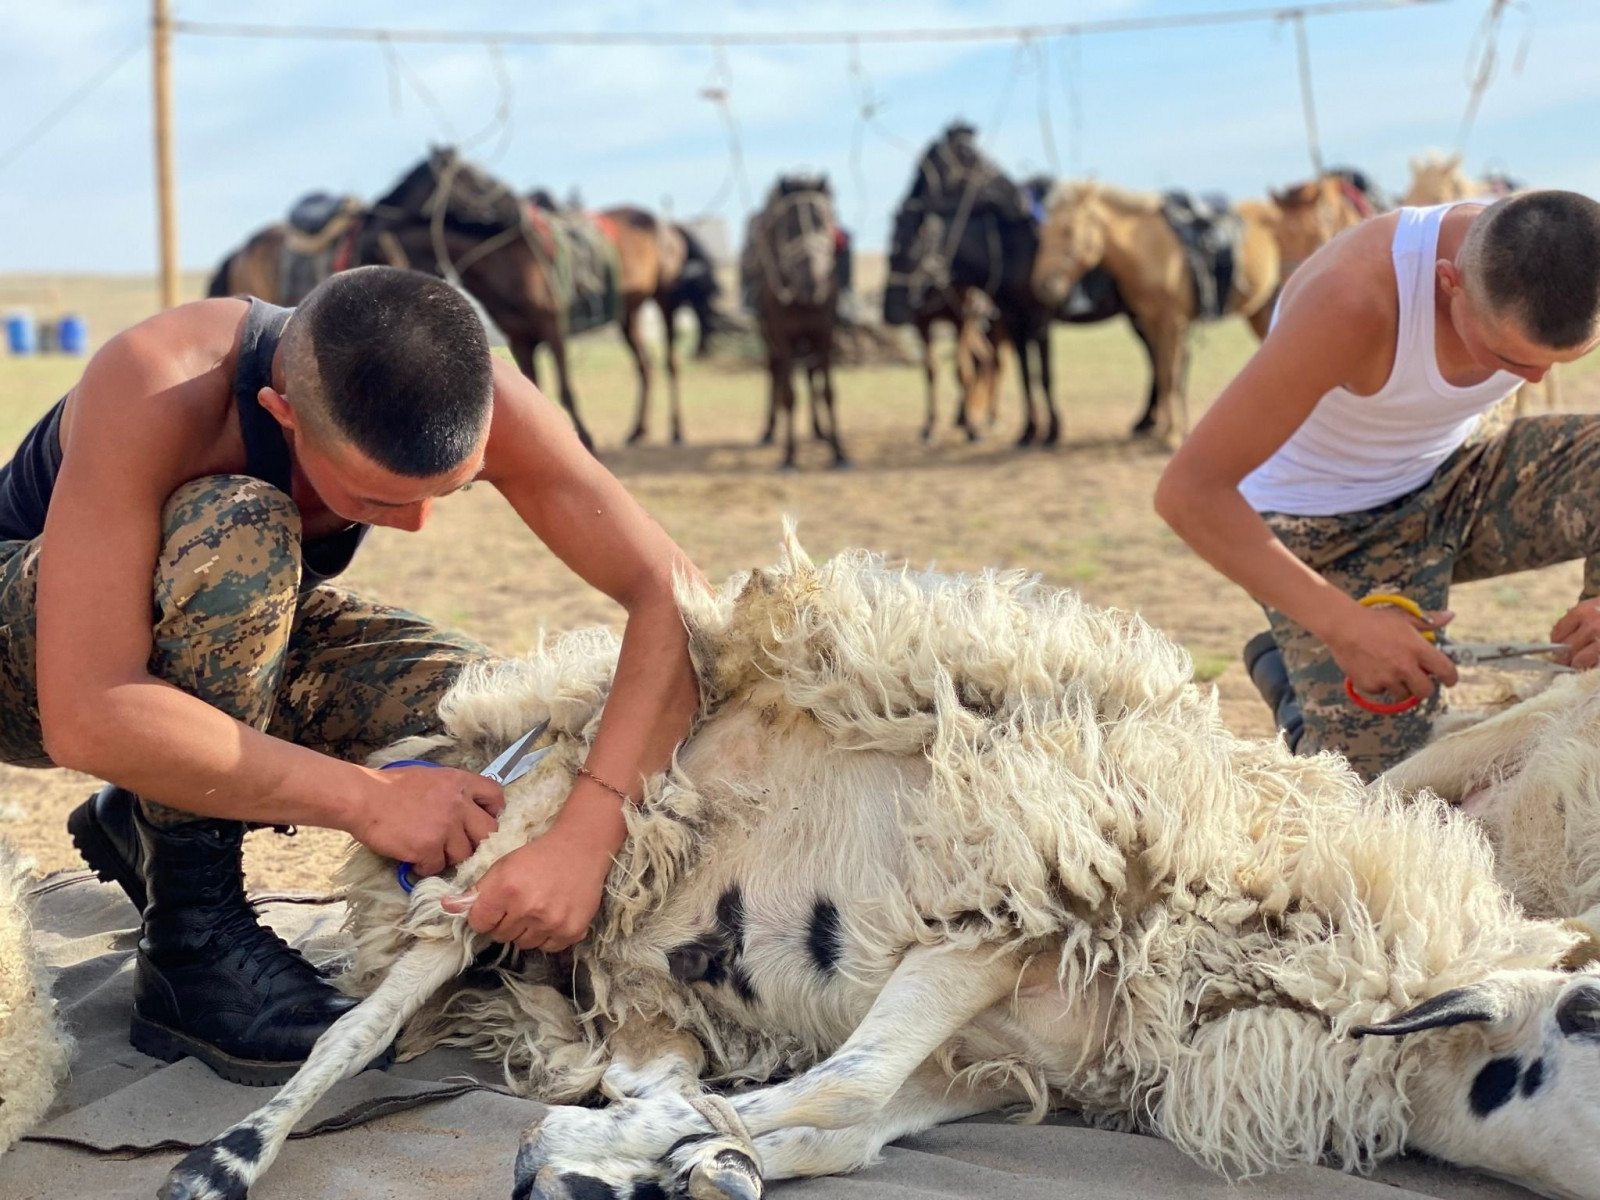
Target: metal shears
510	765
1510	656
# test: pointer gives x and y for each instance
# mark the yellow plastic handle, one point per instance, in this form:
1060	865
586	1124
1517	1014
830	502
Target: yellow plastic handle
1404	604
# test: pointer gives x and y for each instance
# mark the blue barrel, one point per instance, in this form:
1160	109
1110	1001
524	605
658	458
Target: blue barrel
19	332
72	335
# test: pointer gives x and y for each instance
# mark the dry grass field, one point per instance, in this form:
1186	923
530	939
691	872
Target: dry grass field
1078	515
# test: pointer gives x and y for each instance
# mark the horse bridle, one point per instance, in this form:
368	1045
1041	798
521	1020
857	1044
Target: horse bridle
807	204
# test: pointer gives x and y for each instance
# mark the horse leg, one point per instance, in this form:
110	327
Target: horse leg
1167	343
668	316
783	398
1020	337
1053	433
558	351
927	373
525	355
826	371
768	433
641	363
1147	420
813	398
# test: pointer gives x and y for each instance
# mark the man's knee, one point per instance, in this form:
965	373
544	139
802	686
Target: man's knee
227	539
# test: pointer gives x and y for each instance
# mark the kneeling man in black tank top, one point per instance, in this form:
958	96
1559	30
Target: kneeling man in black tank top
166	536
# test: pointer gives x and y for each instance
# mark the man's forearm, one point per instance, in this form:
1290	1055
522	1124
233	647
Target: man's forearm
652	704
1221	527
171	747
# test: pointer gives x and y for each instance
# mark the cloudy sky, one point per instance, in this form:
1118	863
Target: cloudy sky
259	123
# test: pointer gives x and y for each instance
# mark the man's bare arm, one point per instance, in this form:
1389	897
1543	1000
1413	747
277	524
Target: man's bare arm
589	521
1326	329
145	419
542	896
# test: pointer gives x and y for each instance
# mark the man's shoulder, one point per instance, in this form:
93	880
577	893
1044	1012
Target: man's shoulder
202	330
1353	276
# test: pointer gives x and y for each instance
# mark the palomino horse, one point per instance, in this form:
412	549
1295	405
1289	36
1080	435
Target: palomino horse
964	224
1436	179
1310	214
1093	225
790	256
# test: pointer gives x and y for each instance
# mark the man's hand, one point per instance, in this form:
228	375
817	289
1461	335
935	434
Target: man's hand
1580	630
1383	653
541	896
431	817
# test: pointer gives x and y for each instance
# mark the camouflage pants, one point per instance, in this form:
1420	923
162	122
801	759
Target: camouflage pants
323	668
1528	497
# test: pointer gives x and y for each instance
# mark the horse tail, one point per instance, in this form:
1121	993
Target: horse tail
702	280
219	281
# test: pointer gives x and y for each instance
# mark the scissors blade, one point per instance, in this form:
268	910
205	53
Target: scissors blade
517	759
1470	654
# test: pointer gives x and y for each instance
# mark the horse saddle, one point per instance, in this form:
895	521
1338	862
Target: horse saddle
317	224
587	271
1209	232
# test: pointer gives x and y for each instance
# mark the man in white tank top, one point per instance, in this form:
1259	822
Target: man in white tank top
1342	461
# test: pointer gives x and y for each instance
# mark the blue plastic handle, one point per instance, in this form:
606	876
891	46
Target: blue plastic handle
402	872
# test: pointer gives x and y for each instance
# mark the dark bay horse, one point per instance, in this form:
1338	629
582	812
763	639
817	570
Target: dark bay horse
964	224
791	260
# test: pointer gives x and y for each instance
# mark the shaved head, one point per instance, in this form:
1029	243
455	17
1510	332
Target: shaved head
395	363
1534	258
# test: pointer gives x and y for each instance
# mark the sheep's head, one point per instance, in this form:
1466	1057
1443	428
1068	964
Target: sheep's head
1508	1078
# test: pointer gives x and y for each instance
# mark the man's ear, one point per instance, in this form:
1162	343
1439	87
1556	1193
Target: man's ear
1449	275
278	405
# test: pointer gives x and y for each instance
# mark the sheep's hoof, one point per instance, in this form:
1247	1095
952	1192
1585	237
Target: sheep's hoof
203	1175
726	1175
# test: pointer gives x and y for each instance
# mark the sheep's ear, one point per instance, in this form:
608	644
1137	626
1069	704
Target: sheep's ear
1458	1006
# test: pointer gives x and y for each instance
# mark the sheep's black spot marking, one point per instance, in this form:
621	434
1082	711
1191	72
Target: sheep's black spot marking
740	978
730	918
1533	1077
587	1187
649	1190
1495	1084
245	1143
824	939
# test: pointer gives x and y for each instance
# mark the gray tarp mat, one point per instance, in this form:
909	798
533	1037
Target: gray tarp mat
442	1126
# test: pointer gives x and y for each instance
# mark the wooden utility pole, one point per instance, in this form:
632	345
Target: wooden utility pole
166	199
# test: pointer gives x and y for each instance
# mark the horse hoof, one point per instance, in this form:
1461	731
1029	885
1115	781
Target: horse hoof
636	437
1025	440
842	463
1052	438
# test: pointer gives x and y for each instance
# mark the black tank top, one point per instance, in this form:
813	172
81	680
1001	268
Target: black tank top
27	481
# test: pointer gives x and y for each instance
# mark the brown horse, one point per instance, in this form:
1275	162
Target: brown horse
789	257
1090	225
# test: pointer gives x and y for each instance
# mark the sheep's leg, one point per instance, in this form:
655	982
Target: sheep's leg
225	1167
931	995
709	1168
650	1062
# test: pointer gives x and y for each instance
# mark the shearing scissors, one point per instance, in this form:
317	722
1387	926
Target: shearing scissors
1510	656
510	765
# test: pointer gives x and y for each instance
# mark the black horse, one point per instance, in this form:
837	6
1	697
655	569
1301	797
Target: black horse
965	224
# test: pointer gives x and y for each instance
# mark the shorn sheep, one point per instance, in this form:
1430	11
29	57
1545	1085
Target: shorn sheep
34	1050
939	845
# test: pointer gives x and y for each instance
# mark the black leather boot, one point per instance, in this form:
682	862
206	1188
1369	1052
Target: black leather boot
102	830
1264	662
210	980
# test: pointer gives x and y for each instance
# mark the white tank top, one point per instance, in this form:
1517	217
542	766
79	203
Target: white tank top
1357	452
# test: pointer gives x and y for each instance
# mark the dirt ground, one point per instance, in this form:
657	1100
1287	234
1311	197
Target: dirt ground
1079	515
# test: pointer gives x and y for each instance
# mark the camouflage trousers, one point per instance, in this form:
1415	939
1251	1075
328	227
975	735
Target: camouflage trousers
1527	497
322	668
